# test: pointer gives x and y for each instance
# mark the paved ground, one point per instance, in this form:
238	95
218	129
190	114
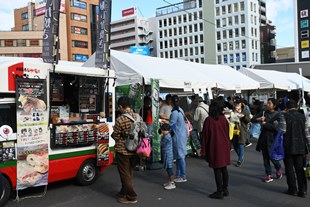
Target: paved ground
246	188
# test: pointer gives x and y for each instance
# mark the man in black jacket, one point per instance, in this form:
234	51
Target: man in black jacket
295	147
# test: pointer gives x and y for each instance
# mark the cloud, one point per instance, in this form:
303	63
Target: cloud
7	12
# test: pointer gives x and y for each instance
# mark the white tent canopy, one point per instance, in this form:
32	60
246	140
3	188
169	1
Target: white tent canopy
269	79
172	73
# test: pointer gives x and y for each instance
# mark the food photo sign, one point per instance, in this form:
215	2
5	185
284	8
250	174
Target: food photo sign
32	133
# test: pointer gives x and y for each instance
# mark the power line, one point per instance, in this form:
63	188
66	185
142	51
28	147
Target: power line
140	12
212	23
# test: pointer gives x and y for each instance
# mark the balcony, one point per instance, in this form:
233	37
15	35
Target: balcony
183	6
121	36
124	27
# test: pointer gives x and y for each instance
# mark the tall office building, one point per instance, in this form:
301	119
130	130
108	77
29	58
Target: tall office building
237	32
183	33
131	31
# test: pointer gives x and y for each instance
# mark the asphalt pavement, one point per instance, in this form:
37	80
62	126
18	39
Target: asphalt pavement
245	186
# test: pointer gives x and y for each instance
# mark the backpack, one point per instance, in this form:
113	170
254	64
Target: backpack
137	131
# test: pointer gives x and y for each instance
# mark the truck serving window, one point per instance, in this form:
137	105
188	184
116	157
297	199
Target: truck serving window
8	115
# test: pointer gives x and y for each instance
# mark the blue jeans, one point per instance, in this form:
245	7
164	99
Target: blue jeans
180	168
239	148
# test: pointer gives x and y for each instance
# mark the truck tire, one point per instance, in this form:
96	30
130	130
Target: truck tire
7	190
87	173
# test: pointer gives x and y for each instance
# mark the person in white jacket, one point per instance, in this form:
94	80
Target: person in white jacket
201	113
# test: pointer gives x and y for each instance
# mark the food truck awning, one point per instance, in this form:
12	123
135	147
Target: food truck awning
174	73
269	79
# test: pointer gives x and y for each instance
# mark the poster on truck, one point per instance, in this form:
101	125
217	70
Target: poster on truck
32	133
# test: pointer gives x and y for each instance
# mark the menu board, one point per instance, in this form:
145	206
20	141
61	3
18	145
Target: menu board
32	133
58	89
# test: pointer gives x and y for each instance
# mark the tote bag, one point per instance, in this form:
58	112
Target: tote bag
277	150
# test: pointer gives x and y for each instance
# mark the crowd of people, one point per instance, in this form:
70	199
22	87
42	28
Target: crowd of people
210	135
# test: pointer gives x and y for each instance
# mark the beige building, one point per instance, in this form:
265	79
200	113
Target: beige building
285	53
78	20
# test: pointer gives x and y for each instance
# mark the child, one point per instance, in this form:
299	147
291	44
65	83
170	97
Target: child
166	144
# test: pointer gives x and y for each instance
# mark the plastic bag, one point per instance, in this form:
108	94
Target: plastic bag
277	149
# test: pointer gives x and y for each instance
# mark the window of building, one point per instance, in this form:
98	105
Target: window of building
236	9
231	58
8	43
202	60
181	52
218	23
219	59
169	21
79	57
196	39
180	30
224	34
175	42
243	44
242	6
219	47
162	55
236	32
217	1
79	4
184	18
255	20
25	27
252	31
253	56
238	58
185	40
170	32
252	44
217	11
185	52
256	57
34	42
195	16
166	44
165	22
176	54
244	57
231	45
225	58
170	44
195	27
255	45
185	30
160	34
255	32
175	31
251	6
229	8
237	46
230	33
160	45
180	42
25	15
230	21
191	52
223	10
174	20
242	17
160	23
196	50
202	50
252	19
165	33
180	19
201	26
166	54
254	7
223	22
171	54
224	46
80	44
79	30
21	43
190	40
190	28
242	31
78	17
201	38
237	19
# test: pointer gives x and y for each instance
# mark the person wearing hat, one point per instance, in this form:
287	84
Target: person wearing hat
201	113
179	139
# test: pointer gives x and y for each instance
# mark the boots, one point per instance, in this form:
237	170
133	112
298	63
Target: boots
217	195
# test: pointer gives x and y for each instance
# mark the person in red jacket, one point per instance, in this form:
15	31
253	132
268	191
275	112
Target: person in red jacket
216	147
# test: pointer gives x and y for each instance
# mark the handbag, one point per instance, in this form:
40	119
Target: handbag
277	149
236	129
144	148
231	131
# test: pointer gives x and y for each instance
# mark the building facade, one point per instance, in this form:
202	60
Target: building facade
237	32
268	43
181	31
77	32
131	31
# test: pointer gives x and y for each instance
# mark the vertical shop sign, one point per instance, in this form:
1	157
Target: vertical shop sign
103	36
51	31
155	119
32	133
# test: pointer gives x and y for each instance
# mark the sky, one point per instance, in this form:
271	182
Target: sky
280	12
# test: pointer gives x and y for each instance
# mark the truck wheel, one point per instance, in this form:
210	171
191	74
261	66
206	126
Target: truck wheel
5	195
87	173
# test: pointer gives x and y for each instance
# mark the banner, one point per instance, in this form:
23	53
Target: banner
51	31
155	116
103	35
133	91
32	133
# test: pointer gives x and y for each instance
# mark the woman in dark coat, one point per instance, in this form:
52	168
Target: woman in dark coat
271	121
216	147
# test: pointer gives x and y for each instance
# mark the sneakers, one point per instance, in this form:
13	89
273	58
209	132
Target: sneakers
170	186
248	144
268	178
239	163
279	174
180	180
126	200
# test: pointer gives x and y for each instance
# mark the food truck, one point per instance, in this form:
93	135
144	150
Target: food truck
55	123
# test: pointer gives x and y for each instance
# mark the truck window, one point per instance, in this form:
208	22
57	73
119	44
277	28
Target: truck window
8	115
